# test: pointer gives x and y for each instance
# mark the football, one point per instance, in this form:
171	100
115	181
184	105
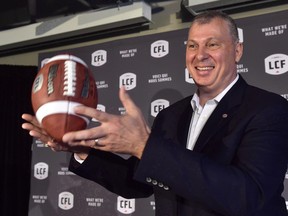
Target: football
63	83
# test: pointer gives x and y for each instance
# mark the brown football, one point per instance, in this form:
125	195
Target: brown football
63	82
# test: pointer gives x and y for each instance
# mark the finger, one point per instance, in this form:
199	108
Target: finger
56	146
33	131
27	126
27	117
92	113
127	102
31	119
79	146
88	134
30	127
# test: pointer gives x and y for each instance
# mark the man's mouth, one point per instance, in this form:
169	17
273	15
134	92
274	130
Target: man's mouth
206	68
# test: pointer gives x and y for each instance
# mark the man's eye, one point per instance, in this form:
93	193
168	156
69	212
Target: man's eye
192	46
213	46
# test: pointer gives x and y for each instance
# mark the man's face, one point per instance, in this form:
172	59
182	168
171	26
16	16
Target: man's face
211	56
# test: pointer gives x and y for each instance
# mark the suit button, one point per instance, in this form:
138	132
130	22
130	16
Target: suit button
160	184
166	187
148	179
154	182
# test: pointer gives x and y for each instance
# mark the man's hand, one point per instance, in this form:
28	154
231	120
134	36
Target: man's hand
36	131
126	133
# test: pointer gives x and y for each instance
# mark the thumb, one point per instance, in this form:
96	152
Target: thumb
127	102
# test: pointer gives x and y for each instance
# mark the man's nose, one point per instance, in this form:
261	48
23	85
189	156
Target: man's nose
202	53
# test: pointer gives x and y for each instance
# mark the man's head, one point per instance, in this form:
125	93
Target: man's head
213	49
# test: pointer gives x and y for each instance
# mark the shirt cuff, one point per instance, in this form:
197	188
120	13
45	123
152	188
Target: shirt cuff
78	159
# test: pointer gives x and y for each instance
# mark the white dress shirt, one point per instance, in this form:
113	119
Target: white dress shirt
201	114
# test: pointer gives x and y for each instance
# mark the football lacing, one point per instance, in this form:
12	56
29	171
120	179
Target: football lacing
69	78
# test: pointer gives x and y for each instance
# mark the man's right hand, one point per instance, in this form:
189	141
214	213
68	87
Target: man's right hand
36	131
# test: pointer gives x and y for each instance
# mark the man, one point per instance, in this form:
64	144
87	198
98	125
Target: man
221	151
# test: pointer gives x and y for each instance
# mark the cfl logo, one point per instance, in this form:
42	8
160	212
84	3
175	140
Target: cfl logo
128	80
125	206
276	64
159	49
99	58
41	170
188	77
240	35
158	105
66	200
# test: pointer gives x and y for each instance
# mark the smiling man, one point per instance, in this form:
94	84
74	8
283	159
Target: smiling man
220	152
213	48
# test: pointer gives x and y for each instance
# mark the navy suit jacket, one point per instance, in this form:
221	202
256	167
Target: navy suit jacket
237	166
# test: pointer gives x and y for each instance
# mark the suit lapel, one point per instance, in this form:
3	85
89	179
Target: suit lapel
184	120
224	111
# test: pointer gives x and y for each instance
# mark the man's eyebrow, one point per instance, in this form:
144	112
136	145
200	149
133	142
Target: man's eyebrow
208	39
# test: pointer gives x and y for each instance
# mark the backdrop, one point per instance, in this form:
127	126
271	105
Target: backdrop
153	69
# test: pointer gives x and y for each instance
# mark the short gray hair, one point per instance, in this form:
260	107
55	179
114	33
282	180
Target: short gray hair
207	16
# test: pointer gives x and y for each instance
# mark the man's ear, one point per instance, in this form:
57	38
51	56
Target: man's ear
238	51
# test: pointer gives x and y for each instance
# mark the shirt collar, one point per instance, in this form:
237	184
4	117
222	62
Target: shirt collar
195	99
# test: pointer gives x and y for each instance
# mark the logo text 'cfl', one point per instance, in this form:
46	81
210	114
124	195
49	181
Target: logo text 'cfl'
125	206
159	49
99	58
66	200
158	105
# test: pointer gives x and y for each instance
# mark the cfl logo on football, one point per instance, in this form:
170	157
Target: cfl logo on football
276	64
188	77
99	58
41	170
125	206
158	105
159	49
66	200
128	80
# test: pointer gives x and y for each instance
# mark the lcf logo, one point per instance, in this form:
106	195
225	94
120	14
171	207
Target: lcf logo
159	49
125	206
99	58
128	80
276	64
66	200
41	170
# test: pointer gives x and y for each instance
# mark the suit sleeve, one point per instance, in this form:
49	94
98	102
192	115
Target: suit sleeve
112	172
256	150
